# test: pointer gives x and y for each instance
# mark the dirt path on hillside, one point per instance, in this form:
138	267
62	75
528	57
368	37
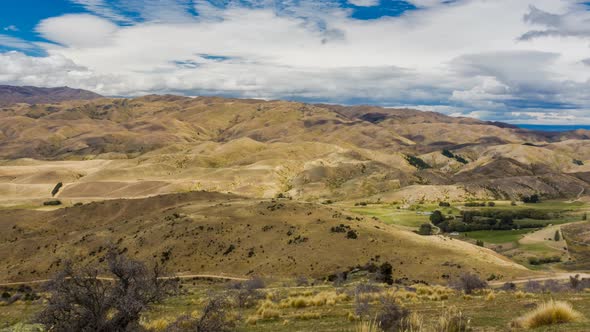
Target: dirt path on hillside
555	276
181	277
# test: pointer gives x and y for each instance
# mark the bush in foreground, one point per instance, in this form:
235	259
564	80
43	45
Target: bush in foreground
548	313
84	300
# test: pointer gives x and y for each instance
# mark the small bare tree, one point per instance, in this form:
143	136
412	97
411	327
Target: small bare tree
104	299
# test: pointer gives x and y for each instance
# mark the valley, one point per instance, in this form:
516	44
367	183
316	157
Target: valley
226	189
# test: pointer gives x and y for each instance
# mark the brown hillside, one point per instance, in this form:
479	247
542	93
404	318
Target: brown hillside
206	233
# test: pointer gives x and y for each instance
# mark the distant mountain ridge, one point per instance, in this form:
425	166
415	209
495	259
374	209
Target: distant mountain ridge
34	95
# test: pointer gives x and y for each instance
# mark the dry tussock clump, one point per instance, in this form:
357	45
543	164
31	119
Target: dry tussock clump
491	296
308	315
367	326
433	293
268	310
522	295
317	300
157	325
548	313
453	320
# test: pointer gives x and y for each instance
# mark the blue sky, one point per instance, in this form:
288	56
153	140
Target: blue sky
509	60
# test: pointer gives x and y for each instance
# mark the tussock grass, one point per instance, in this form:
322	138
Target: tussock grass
548	313
413	323
367	326
317	300
157	325
491	296
452	320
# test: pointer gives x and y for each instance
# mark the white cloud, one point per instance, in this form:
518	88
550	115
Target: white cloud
13	42
12	28
365	3
78	30
468	56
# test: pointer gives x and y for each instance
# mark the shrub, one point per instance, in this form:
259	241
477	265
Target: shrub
80	301
469	282
351	234
578	162
479	243
557	236
392	316
56	189
426	229
52	203
444	204
417	162
385	274
448	153
215	318
544	260
491	204
531	199
548	313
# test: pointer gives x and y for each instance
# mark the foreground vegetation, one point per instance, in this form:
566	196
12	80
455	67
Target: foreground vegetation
133	298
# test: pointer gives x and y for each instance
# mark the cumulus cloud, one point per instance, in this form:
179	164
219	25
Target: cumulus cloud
466	57
77	30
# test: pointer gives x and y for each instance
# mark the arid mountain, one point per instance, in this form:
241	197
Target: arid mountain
33	95
121	148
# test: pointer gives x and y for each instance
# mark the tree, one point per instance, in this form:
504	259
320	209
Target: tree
557	236
534	198
104	299
425	229
437	217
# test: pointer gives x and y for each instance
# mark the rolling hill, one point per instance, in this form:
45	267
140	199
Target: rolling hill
34	95
131	148
211	233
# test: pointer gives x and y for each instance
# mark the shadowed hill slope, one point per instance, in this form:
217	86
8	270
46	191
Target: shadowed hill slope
33	95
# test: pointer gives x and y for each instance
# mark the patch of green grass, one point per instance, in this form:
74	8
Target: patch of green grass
393	216
499	237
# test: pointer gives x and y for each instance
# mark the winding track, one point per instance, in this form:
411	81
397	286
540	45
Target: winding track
187	276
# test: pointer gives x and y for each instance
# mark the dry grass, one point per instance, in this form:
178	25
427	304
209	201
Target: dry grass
157	325
548	313
452	320
317	300
367	326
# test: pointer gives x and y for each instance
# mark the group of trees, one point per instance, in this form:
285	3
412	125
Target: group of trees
486	220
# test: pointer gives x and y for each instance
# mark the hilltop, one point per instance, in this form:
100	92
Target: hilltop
34	95
122	148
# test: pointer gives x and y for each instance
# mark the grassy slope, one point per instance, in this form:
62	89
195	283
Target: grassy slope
282	238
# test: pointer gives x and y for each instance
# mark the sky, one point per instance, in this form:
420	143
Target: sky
518	61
